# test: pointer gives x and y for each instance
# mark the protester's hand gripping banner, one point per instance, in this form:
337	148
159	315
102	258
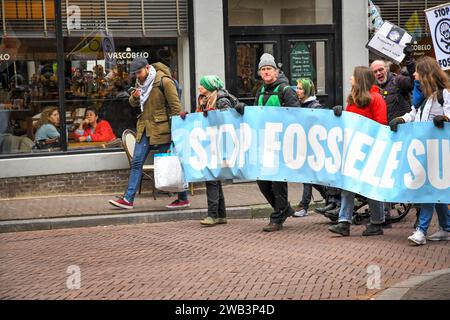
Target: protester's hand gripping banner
350	152
439	22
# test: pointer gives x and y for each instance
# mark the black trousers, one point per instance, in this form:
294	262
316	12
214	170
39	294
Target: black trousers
307	194
276	193
216	200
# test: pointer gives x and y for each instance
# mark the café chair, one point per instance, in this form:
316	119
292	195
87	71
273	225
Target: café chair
128	142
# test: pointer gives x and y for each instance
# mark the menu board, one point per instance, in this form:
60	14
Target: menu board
301	62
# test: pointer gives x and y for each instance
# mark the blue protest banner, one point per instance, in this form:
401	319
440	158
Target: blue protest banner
350	152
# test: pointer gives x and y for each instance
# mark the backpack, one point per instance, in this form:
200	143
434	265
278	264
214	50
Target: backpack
177	85
179	92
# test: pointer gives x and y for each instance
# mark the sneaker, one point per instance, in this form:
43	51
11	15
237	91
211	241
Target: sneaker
178	204
222	221
441	235
122	203
417	238
373	230
272	226
343	228
208	221
301	213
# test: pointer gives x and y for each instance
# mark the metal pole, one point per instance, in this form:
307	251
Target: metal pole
60	73
4	17
106	15
44	14
67	8
142	17
178	18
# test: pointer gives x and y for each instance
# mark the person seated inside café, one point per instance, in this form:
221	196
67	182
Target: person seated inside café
47	125
92	128
117	110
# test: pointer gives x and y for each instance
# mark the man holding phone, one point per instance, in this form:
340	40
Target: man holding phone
153	128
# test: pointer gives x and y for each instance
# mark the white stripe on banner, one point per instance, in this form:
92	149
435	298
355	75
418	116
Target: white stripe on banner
350	152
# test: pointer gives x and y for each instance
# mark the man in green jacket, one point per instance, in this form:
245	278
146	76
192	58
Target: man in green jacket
153	126
275	92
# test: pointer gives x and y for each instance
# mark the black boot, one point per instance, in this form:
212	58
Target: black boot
272	226
343	228
333	214
328	207
373	230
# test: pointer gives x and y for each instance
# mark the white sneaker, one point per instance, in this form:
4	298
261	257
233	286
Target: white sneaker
441	235
417	238
301	213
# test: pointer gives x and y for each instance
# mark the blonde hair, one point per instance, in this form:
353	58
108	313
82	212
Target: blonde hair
46	113
432	77
364	79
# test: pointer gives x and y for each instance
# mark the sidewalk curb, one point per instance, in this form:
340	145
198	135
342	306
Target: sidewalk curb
399	290
248	212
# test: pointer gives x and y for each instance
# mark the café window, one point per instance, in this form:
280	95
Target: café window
98	82
97	78
275	12
28	86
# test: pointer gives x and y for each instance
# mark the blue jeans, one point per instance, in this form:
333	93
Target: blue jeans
141	151
348	203
426	213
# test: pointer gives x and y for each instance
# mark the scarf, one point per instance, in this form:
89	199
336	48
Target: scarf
146	87
207	103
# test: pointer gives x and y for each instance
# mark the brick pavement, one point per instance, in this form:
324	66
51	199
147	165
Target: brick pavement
181	260
242	194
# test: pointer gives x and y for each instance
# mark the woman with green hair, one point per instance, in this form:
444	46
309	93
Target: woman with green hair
306	93
213	96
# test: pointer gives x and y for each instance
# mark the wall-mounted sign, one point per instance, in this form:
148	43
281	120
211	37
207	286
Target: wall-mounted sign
301	62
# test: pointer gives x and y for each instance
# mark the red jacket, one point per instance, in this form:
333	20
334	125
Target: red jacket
102	132
376	110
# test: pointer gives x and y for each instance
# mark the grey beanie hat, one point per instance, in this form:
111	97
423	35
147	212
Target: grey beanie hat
267	60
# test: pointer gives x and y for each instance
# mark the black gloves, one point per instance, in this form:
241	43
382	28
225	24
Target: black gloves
408	51
439	121
183	114
395	122
337	111
240	108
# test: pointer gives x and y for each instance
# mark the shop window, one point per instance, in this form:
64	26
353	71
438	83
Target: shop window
28	86
98	81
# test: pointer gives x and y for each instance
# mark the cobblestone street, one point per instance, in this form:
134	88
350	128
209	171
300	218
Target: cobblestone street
182	260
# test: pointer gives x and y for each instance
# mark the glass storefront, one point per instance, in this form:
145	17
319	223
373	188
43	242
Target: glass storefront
28	85
299	34
96	78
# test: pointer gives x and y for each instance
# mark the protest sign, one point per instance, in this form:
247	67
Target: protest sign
389	42
439	22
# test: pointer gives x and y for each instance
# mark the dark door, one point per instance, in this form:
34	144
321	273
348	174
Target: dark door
297	56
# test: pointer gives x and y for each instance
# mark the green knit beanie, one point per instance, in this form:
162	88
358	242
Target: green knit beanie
308	87
211	83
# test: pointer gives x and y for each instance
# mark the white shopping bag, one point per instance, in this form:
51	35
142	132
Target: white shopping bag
169	175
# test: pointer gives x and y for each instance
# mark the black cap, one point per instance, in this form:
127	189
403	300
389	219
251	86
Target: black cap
138	63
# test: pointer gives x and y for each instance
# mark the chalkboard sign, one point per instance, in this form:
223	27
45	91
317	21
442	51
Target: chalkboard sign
301	62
